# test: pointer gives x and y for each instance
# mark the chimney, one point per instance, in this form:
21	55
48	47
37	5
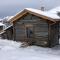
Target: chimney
42	8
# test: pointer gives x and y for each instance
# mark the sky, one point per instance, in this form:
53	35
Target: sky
11	7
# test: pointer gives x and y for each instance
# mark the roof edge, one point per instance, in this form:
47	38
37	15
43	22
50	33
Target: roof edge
20	14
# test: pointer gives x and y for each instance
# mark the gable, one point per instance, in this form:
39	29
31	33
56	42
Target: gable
25	11
29	18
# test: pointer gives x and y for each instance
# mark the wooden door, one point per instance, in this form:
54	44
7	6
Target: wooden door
29	32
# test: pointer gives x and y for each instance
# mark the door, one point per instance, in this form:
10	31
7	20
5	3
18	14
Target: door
29	32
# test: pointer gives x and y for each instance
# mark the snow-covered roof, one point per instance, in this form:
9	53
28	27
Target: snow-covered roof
8	27
37	12
50	15
7	18
3	31
1	24
55	10
53	13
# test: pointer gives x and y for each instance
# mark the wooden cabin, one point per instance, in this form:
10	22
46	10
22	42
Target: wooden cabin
36	27
1	26
3	35
7	33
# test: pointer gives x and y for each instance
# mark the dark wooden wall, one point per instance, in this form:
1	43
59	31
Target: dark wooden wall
41	33
4	35
59	30
37	25
1	28
8	34
53	35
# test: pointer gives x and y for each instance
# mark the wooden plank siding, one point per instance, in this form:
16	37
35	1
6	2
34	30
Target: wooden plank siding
44	33
8	33
4	35
38	26
53	35
41	34
59	30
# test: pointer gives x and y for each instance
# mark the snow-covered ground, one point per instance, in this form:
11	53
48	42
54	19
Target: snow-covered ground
10	50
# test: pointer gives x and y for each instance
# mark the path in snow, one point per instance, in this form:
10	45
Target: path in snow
10	50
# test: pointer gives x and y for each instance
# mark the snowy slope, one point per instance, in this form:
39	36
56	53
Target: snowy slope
10	50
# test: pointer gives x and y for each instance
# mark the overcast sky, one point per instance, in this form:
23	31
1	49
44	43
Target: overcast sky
11	7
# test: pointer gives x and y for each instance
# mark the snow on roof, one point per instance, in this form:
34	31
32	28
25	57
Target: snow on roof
7	18
8	27
51	13
1	24
55	10
3	31
33	11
